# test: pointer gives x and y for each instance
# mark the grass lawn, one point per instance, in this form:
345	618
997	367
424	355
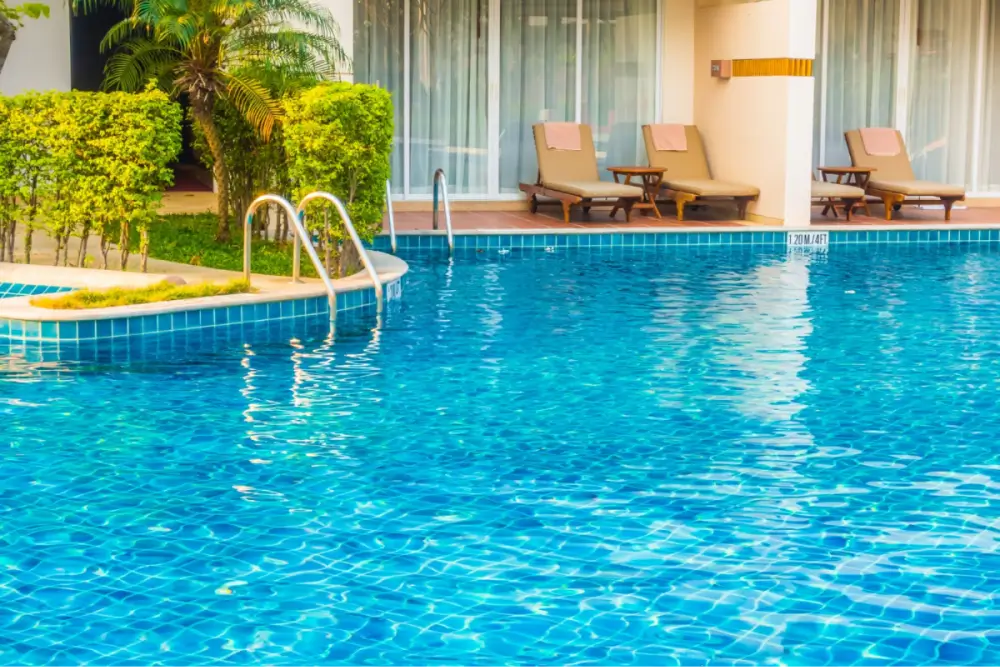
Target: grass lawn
129	296
190	239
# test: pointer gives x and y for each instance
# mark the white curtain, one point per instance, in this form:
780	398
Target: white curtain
942	89
378	58
448	81
537	79
448	94
989	157
860	71
619	77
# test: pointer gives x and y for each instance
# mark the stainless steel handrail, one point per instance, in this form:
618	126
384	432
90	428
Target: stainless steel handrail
346	218
392	218
300	235
439	178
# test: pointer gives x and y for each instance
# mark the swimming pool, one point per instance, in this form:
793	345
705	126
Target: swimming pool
724	456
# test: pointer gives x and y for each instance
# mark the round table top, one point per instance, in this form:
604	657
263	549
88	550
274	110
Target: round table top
637	170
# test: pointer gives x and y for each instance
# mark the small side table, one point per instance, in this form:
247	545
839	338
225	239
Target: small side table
856	176
651	179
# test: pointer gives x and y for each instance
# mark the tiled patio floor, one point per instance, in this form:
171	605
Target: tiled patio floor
549	219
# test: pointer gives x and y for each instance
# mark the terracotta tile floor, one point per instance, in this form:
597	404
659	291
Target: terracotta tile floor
551	218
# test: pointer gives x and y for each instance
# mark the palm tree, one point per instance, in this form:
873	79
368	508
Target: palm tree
211	50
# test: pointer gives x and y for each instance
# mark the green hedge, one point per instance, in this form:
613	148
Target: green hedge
338	138
82	164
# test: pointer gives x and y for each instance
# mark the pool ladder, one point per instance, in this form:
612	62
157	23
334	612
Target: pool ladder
302	238
440	185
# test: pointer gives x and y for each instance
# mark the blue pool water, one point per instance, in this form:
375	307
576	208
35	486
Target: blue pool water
674	457
11	290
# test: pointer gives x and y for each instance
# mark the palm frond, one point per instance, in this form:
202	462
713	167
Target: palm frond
136	63
254	101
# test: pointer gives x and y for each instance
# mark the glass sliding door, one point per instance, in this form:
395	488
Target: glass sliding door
593	61
859	77
537	79
448	94
942	89
989	157
618	86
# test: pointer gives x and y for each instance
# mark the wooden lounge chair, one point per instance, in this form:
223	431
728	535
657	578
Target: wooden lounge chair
571	177
893	180
826	194
688	177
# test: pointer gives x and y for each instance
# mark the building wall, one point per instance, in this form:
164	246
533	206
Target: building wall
39	59
758	130
677	64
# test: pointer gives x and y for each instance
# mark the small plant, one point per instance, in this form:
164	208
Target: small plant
130	296
338	137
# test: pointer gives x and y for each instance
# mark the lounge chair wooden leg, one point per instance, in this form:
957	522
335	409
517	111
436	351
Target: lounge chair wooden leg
533	204
948	203
565	206
627	204
586	207
849	208
888	201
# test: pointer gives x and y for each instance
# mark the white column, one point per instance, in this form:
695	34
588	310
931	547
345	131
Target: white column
343	13
758	129
39	59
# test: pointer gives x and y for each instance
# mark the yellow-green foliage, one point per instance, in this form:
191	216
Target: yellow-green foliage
338	138
78	163
130	296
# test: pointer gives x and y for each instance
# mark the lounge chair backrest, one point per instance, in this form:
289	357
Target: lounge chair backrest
567	166
887	168
687	165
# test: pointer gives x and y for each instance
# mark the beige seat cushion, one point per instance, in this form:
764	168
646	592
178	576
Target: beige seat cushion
712	188
918	188
594	189
836	190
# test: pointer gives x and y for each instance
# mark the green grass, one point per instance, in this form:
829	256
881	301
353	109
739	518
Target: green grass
130	296
190	239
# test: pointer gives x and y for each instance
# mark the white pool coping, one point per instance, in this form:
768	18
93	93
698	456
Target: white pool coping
271	288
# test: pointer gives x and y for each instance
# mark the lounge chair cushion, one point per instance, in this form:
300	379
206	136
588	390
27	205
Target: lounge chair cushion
690	164
918	188
594	189
836	190
712	188
891	168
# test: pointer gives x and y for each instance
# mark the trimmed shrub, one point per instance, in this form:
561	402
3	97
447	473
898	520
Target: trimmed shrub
338	138
77	164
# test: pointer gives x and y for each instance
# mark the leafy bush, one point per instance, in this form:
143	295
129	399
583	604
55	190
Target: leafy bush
338	138
85	163
129	296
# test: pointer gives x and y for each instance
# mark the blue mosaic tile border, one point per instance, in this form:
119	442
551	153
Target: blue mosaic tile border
11	290
312	308
915	236
749	238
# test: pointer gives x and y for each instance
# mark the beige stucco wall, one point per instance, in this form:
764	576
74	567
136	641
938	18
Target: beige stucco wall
39	59
758	130
677	65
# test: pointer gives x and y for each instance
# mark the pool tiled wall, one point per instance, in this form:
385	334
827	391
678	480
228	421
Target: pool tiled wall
749	238
303	309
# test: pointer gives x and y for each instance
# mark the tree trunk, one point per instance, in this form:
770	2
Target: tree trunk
7	32
203	116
